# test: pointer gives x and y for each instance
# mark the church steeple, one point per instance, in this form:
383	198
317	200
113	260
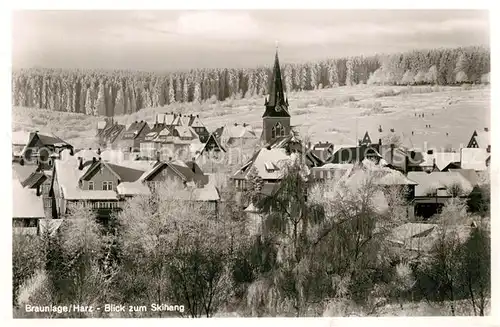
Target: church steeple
277	105
276	118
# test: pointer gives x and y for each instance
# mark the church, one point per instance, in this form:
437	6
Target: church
281	143
276	118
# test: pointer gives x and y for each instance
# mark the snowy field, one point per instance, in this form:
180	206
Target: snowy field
337	115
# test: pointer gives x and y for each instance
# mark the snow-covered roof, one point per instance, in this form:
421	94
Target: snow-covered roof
441	179
26	204
68	176
474	158
442	159
133	188
186	131
238	131
277	158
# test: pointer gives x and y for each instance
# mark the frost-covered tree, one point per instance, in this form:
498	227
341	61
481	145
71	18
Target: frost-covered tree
461	77
332	73
288	78
119	103
100	105
185	89
420	77
349	79
408	78
432	75
89	109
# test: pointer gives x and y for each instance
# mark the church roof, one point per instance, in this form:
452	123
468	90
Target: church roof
277	105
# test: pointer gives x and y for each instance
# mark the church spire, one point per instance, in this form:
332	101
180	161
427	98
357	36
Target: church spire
277	101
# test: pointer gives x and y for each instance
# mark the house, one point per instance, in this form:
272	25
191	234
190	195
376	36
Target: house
91	183
199	128
40	148
195	184
184	133
435	188
212	146
27	209
268	164
480	140
148	147
356	154
37	180
276	118
177	171
236	134
352	155
133	136
109	135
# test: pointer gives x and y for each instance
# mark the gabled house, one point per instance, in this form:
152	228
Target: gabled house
40	148
92	183
212	145
110	136
199	128
27	209
480	140
195	184
356	154
268	164
133	136
149	148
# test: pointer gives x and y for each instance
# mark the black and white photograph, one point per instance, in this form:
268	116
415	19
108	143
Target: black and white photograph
250	163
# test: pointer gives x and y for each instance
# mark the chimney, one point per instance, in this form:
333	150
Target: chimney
80	163
71	152
93	160
486	129
158	156
379	141
197	116
169	158
38	191
99	151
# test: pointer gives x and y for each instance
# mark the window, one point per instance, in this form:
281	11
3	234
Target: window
277	130
107	186
91	186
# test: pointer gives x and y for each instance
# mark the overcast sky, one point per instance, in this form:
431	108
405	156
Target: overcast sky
164	40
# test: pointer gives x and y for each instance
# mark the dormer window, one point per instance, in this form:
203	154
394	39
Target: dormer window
91	186
270	167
